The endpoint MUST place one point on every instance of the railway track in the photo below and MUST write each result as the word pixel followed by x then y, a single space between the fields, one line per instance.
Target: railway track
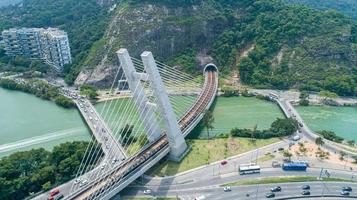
pixel 114 177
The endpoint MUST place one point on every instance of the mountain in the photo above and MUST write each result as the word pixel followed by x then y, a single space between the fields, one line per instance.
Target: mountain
pixel 291 46
pixel 347 7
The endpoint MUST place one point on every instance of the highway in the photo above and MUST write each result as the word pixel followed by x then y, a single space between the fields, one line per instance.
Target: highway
pixel 246 192
pixel 210 185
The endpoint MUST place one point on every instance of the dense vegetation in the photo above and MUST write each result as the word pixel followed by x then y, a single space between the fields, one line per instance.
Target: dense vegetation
pixel 347 7
pixel 40 89
pixel 294 46
pixel 88 91
pixel 330 135
pixel 279 128
pixel 83 20
pixel 31 171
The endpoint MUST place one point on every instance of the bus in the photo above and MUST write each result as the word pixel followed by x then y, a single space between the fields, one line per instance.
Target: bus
pixel 294 166
pixel 250 169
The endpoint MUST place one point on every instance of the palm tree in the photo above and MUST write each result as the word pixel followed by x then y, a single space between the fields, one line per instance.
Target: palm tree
pixel 207 121
pixel 253 133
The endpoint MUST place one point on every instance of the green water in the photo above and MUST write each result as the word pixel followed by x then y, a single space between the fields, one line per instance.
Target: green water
pixel 241 112
pixel 341 120
pixel 28 122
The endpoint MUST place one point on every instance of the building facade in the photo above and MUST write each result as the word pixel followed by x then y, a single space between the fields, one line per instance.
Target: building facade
pixel 51 45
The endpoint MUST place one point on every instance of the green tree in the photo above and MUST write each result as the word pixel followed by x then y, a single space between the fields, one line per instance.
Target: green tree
pixel 88 91
pixel 304 98
pixel 319 141
pixel 287 154
pixel 207 121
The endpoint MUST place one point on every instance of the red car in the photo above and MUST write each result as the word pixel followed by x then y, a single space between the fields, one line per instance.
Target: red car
pixel 224 162
pixel 54 192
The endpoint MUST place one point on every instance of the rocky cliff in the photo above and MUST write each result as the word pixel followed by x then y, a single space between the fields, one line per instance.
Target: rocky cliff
pixel 164 30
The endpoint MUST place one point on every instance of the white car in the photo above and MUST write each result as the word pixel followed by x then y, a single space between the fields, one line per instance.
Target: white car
pixel 83 183
pixel 227 189
pixel 78 180
pixel 147 192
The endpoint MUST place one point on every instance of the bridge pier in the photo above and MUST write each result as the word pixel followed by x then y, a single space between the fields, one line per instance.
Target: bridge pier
pixel 176 139
pixel 145 108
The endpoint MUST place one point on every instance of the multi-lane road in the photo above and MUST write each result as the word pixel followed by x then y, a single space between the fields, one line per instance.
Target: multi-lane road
pixel 191 185
pixel 245 192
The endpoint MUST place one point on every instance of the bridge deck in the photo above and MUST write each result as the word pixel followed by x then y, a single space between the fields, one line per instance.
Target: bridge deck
pixel 121 176
pixel 111 147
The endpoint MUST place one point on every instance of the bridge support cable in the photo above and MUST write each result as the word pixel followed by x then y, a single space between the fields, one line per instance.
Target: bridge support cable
pixel 180 134
pixel 185 96
pixel 171 76
pixel 176 140
pixel 176 85
pixel 92 146
pixel 143 113
pixel 115 182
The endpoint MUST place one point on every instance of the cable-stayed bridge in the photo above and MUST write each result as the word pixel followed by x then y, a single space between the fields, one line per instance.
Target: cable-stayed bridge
pixel 134 133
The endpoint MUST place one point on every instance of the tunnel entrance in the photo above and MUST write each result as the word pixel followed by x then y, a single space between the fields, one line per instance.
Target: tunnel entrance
pixel 210 67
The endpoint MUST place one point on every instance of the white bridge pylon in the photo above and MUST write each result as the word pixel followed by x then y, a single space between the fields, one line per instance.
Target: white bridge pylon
pixel 176 139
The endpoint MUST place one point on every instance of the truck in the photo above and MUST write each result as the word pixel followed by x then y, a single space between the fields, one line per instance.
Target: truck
pixel 294 166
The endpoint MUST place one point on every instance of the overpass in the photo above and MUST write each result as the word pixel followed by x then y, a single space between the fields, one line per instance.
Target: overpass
pixel 114 180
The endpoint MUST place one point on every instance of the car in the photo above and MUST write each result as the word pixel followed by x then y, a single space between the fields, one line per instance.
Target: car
pixel 83 183
pixel 58 197
pixel 347 188
pixel 345 193
pixel 306 187
pixel 227 189
pixel 276 189
pixel 78 180
pixel 54 192
pixel 224 162
pixel 270 195
pixel 280 149
pixel 305 192
pixel 147 192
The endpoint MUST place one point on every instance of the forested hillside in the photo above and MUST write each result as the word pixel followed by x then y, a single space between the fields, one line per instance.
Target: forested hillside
pixel 347 7
pixel 291 46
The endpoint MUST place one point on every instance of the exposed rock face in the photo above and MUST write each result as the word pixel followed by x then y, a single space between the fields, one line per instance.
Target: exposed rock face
pixel 163 30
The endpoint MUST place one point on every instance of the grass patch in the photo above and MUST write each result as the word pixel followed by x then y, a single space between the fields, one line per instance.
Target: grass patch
pixel 265 158
pixel 208 151
pixel 284 180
